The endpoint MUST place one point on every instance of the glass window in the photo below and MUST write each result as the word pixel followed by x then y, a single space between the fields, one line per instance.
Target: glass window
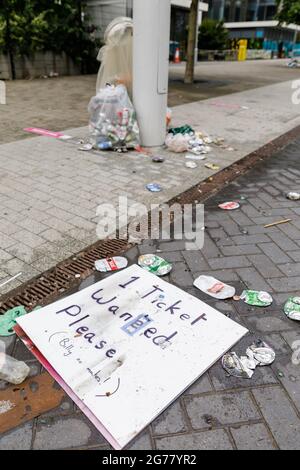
pixel 252 10
pixel 234 10
pixel 270 12
pixel 227 11
pixel 261 13
pixel 237 12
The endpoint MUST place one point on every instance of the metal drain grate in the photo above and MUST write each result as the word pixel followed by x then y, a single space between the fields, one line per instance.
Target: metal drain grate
pixel 64 276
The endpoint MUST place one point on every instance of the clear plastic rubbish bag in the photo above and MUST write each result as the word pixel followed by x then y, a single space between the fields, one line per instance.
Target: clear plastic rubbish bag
pixel 113 123
pixel 116 55
pixel 11 370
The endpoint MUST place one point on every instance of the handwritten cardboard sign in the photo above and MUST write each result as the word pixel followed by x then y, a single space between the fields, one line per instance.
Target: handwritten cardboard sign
pixel 127 347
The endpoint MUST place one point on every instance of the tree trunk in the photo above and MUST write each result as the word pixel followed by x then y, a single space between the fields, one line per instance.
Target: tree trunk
pixel 8 43
pixel 79 13
pixel 193 25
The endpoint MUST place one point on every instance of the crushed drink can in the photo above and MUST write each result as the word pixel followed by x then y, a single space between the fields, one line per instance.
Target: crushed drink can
pixel 293 196
pixel 158 159
pixel 239 367
pixel 257 298
pixel 111 264
pixel 104 145
pixel 154 188
pixel 261 353
pixel 211 286
pixel 229 206
pixel 292 308
pixel 155 265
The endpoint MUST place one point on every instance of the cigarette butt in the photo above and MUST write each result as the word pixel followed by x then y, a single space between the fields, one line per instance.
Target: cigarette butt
pixel 280 222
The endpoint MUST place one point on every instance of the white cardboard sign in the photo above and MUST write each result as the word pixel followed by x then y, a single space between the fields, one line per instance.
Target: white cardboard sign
pixel 128 346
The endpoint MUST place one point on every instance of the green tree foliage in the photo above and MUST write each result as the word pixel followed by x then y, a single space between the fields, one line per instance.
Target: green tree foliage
pixel 29 26
pixel 212 35
pixel 289 11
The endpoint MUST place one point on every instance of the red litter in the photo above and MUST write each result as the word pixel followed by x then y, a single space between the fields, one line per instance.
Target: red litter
pixel 229 206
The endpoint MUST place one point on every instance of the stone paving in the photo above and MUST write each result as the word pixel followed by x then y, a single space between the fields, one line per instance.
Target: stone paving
pixel 61 103
pixel 50 191
pixel 218 412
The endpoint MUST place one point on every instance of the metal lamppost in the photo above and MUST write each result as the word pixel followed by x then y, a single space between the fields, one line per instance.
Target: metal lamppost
pixel 151 37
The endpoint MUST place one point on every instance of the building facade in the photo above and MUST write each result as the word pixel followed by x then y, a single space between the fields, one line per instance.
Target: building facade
pixel 102 12
pixel 242 10
pixel 254 20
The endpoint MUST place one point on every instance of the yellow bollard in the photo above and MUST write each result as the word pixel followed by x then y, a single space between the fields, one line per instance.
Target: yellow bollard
pixel 243 46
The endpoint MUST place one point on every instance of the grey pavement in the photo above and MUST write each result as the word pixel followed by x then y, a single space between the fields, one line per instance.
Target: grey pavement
pixel 50 191
pixel 218 412
pixel 60 103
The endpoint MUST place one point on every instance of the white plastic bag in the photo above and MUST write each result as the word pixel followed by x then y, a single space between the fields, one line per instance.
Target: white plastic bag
pixel 116 55
pixel 11 370
pixel 113 123
pixel 177 143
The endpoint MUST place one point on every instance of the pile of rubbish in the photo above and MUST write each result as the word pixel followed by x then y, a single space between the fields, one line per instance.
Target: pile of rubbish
pixel 185 139
pixel 113 123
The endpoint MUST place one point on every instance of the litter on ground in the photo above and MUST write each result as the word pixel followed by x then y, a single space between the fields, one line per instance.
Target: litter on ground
pixel 280 222
pixel 292 308
pixel 229 206
pixel 154 188
pixel 211 286
pixel 212 166
pixel 259 354
pixel 155 264
pixel 111 264
pixel 257 298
